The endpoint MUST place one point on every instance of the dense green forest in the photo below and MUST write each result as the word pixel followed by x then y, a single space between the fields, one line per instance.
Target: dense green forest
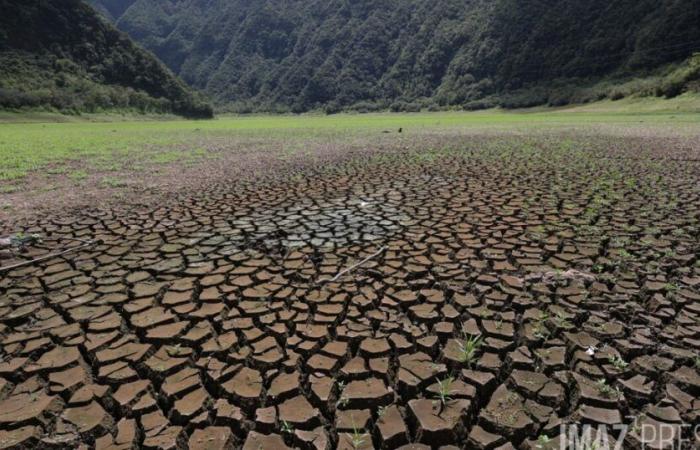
pixel 298 55
pixel 61 55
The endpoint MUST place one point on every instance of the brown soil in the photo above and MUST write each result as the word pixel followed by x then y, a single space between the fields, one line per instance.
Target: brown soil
pixel 203 321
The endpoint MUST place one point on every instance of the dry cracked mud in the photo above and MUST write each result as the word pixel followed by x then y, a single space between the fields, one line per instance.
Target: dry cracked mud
pixel 509 291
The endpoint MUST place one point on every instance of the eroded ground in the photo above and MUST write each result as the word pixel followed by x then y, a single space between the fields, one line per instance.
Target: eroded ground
pixel 509 285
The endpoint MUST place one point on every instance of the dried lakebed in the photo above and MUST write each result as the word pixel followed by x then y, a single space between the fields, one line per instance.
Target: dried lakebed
pixel 517 290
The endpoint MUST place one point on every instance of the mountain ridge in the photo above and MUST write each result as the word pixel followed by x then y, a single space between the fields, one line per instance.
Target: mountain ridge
pixel 307 54
pixel 60 54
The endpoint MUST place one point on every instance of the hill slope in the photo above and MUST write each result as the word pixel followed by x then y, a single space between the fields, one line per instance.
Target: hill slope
pixel 303 54
pixel 60 54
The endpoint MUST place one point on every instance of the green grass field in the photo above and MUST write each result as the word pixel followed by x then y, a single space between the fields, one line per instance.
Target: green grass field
pixel 58 162
pixel 33 143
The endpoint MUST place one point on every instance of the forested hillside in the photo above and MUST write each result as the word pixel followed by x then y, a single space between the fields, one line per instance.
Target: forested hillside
pixel 305 54
pixel 59 54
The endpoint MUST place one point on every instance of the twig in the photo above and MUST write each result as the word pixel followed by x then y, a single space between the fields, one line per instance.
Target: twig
pixel 49 256
pixel 62 238
pixel 351 268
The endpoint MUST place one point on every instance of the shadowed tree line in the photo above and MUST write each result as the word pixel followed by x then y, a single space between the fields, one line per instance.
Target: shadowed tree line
pixel 282 55
pixel 59 54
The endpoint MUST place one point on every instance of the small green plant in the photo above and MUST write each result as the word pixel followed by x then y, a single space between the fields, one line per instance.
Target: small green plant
pixel 112 182
pixel 606 390
pixel 543 442
pixel 78 175
pixel 469 348
pixel 646 242
pixel 625 255
pixel 342 399
pixel 175 350
pixel 444 390
pixel 608 278
pixel 678 232
pixel 636 429
pixel 358 436
pixel 671 287
pixel 621 241
pixel 618 363
pixel 541 331
pixel 21 240
pixel 561 321
pixel 287 428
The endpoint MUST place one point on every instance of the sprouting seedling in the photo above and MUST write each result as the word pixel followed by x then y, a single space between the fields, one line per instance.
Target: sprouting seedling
pixel 381 411
pixel 671 287
pixel 636 429
pixel 287 427
pixel 499 324
pixel 540 328
pixel 444 390
pixel 21 240
pixel 608 277
pixel 469 348
pixel 697 362
pixel 342 399
pixel 654 230
pixel 358 436
pixel 646 242
pixel 543 441
pixel 618 363
pixel 625 255
pixel 606 390
pixel 175 350
pixel 562 321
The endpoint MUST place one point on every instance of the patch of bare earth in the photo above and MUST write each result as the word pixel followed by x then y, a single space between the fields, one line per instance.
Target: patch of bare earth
pixel 363 296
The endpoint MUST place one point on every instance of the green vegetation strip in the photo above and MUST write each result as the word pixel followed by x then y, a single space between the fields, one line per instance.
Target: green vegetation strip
pixel 28 147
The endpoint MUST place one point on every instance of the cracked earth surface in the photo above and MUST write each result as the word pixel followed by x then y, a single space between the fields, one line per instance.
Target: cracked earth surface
pixel 512 290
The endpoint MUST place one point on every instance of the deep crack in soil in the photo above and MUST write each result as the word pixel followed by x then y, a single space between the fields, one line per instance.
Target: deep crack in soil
pixel 521 287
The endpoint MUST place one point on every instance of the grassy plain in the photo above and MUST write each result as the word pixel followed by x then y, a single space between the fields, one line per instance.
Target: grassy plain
pixel 27 147
pixel 44 154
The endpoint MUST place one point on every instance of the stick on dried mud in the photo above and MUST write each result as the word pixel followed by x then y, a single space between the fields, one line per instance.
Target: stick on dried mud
pixel 353 267
pixel 47 257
